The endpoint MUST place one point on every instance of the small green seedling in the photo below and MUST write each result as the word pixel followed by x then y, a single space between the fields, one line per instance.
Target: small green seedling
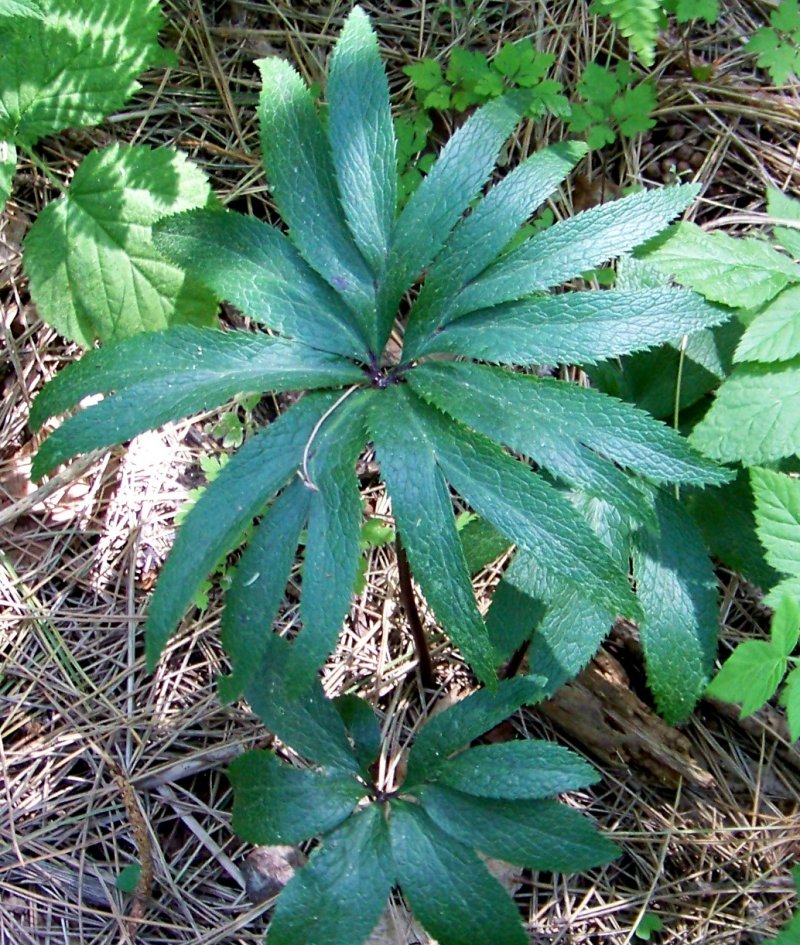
pixel 648 924
pixel 778 45
pixel 611 103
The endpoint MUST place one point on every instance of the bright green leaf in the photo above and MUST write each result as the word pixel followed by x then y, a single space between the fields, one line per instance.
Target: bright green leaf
pixel 740 272
pixel 774 334
pixel 648 924
pixel 8 165
pixel 128 878
pixel 93 268
pixel 751 675
pixel 790 699
pixel 75 64
pixel 778 518
pixel 754 417
pixel 785 628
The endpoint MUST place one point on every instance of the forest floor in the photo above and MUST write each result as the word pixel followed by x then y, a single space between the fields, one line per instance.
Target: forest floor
pixel 103 766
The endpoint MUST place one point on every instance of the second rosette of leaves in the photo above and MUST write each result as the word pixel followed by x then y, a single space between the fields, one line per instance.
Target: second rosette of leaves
pixel 421 836
pixel 526 453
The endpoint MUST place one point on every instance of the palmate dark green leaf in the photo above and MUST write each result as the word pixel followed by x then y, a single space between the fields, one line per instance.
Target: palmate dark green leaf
pixel 511 619
pixel 276 803
pixel 522 506
pixel 523 410
pixel 307 721
pixel 227 507
pixel 334 528
pixel 541 835
pixel 678 592
pixel 362 138
pixel 301 173
pixel 448 731
pixel 517 770
pixel 576 327
pixel 569 248
pixel 450 890
pixel 436 206
pixel 161 376
pixel 337 898
pixel 423 511
pixel 479 237
pixel 244 261
pixel 259 582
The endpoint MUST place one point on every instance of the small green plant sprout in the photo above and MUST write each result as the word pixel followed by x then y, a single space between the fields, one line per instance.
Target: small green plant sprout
pixel 648 924
pixel 420 835
pixel 756 668
pixel 333 293
pixel 777 46
pixel 753 419
pixel 471 79
pixel 128 878
pixel 93 269
pixel 611 102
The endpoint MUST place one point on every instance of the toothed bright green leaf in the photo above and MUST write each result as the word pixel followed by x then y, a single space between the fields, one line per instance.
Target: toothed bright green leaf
pixel 423 511
pixel 308 721
pixel 778 518
pixel 94 271
pixel 789 586
pixel 638 21
pixel 254 266
pixel 8 165
pixel 516 770
pixel 754 418
pixel 33 8
pixel 531 414
pixel 567 249
pixel 161 376
pixel 362 727
pixel 577 327
pixel 785 628
pixel 526 509
pixel 436 206
pixel 259 582
pixel 362 137
pixel 677 590
pixel 790 699
pixel 541 835
pixel 743 273
pixel 774 334
pixel 750 675
pixel 301 175
pixel 786 208
pixel 276 803
pixel 75 64
pixel 448 731
pixel 334 528
pixel 449 889
pixel 227 507
pixel 479 237
pixel 339 895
